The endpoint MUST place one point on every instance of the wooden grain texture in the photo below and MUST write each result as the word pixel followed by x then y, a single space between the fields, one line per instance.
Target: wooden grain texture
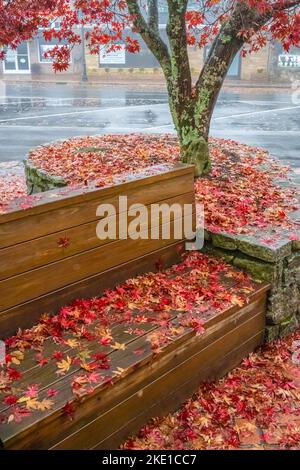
pixel 39 272
pixel 23 257
pixel 67 213
pixel 169 402
pixel 68 195
pixel 40 281
pixel 28 313
pixel 153 383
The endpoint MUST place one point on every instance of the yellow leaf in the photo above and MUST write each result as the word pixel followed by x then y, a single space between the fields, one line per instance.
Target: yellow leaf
pixel 85 354
pixel 103 332
pixel 235 300
pixel 17 357
pixel 119 371
pixel 64 365
pixel 73 343
pixel 118 346
pixel 45 404
pixel 32 404
pixel 86 366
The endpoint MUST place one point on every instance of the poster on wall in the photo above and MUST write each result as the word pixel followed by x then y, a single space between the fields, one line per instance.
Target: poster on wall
pixel 113 57
pixel 291 61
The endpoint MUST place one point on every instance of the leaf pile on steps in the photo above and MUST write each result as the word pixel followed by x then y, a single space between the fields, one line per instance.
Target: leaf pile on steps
pixel 196 287
pixel 256 406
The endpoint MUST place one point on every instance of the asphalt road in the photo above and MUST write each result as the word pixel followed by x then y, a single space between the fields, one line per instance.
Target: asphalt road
pixel 31 115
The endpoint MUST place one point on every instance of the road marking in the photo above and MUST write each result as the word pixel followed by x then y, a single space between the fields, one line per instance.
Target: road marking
pixel 46 98
pixel 253 113
pixel 118 108
pixel 95 110
pixel 154 128
pixel 246 132
pixel 60 102
pixel 79 128
pixel 142 130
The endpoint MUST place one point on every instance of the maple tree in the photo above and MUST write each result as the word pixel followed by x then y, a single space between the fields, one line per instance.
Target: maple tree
pixel 229 26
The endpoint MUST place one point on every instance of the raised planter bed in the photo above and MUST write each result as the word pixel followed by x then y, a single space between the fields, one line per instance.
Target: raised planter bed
pixel 50 253
pixel 250 202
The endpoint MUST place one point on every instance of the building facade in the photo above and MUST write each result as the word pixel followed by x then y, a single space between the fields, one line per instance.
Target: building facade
pixel 271 64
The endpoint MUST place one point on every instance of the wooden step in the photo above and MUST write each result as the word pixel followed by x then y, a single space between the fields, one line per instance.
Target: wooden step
pixel 140 383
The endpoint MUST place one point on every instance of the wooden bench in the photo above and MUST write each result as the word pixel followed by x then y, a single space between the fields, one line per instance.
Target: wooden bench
pixel 50 253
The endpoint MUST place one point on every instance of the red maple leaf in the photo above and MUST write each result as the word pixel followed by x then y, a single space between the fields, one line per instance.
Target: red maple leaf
pixel 69 410
pixel 10 400
pixel 63 242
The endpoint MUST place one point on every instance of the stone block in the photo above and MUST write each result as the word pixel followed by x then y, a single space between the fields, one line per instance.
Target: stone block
pixel 272 254
pixel 283 304
pixel 228 256
pixel 39 181
pixel 271 333
pixel 288 326
pixel 268 272
pixel 293 261
pixel 225 242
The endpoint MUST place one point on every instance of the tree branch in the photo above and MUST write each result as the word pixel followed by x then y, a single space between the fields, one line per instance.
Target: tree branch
pixel 153 15
pixel 176 30
pixel 150 36
pixel 287 5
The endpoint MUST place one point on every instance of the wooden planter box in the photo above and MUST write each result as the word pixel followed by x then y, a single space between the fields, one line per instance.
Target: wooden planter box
pixel 50 253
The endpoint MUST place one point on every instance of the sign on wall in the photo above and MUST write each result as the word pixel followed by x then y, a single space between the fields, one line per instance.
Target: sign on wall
pixel 291 61
pixel 113 57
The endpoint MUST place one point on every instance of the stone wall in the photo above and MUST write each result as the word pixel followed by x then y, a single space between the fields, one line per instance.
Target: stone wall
pixel 256 66
pixel 277 264
pixel 39 181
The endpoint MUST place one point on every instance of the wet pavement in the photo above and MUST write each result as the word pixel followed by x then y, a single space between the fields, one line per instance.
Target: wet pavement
pixel 34 114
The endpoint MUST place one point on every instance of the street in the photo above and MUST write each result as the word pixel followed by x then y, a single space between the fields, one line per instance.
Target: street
pixel 33 114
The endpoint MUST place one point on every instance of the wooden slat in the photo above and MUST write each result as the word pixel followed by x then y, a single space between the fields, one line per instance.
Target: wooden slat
pixel 68 195
pixel 32 254
pixel 202 365
pixel 46 376
pixel 26 314
pixel 69 213
pixel 40 281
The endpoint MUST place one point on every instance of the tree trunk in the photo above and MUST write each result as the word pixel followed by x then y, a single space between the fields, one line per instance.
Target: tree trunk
pixel 194 123
pixel 193 142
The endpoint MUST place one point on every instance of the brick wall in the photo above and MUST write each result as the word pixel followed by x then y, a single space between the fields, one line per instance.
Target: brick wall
pixel 255 66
